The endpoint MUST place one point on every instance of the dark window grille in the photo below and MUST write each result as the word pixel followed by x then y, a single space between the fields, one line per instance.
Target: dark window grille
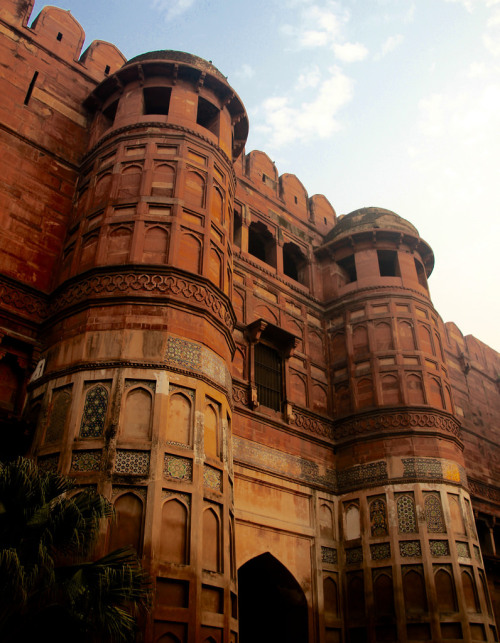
pixel 268 376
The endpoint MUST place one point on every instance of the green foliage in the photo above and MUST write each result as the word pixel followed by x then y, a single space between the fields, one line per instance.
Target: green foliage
pixel 49 585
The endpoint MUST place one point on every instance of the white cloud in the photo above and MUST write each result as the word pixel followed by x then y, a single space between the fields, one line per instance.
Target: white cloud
pixel 350 52
pixel 389 45
pixel 470 4
pixel 245 71
pixel 283 120
pixel 308 79
pixel 491 37
pixel 172 8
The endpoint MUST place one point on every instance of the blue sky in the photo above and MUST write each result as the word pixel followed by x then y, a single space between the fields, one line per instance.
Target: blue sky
pixel 392 103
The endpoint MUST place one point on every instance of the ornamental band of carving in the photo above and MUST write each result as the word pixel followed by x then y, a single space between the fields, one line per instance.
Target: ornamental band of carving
pixel 396 420
pixel 120 284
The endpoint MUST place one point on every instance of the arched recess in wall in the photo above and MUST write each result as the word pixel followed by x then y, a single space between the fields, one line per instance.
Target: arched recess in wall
pixel 174 531
pixel 130 182
pixel 163 180
pixel 316 349
pixel 352 522
pixel 189 255
pixel 330 596
pixel 319 398
pixel 326 521
pixel 217 206
pixel 435 393
pixel 266 313
pixel 179 419
pixel 298 389
pixel 439 346
pixel 211 430
pixel 10 379
pixel 118 246
pixel 364 392
pixel 383 337
pixel 355 595
pixel 168 638
pixel 415 389
pixel 94 412
pixel 274 610
pixel 406 336
pixel 445 591
pixel 156 241
pixel 215 266
pixel 360 341
pixel 378 518
pixel 238 305
pixel 390 390
pixel 425 340
pixel 102 189
pixel 88 251
pixel 342 399
pixel 126 529
pixel 338 347
pixel 137 414
pixel 447 399
pixel 414 590
pixel 383 594
pixel 194 189
pixel 457 519
pixel 211 549
pixel 470 591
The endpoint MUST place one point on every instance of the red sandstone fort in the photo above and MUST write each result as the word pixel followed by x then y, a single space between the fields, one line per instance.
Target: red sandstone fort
pixel 294 442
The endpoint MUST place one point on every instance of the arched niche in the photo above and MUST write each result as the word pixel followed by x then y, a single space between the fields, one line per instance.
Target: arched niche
pixel 156 240
pixel 163 180
pixel 211 549
pixel 211 431
pixel 179 419
pixel 414 591
pixel 215 267
pixel 383 337
pixel 119 241
pixel 352 522
pixel 338 347
pixel 326 520
pixel 406 336
pixel 174 532
pixel 194 189
pixel 126 528
pixel 383 593
pixel 189 257
pixel 272 605
pixel 415 389
pixel 364 393
pixel 217 205
pixel 102 189
pixel 330 596
pixel 130 182
pixel 360 344
pixel 137 414
pixel 445 591
pixel 390 390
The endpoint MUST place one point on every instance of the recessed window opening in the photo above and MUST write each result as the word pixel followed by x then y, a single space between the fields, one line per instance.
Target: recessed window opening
pixel 237 225
pixel 348 266
pixel 30 88
pixel 295 198
pixel 420 273
pixel 157 100
pixel 261 243
pixel 59 36
pixel 110 112
pixel 208 115
pixel 294 263
pixel 268 376
pixel 107 69
pixel 388 263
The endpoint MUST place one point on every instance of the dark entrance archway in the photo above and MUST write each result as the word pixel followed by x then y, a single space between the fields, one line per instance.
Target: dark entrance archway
pixel 272 605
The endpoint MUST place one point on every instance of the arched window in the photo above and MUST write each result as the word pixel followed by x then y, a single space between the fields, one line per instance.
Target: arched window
pixel 378 518
pixel 58 415
pixel 137 414
pixel 407 518
pixel 434 513
pixel 261 243
pixel 126 530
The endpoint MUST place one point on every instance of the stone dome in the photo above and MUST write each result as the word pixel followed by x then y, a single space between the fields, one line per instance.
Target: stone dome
pixel 171 55
pixel 370 218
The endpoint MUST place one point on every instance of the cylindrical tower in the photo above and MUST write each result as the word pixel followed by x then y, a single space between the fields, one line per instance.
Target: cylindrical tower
pixel 410 546
pixel 136 389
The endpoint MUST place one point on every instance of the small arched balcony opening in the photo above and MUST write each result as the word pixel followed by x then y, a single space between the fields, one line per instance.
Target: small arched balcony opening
pixel 295 264
pixel 261 243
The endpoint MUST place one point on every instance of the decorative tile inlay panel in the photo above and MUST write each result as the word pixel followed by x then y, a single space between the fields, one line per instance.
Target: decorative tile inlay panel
pixel 374 472
pixel 86 461
pixel 378 518
pixel 463 550
pixel 134 463
pixel 410 548
pixel 354 555
pixel 329 555
pixel 48 462
pixel 58 414
pixel 168 493
pixel 439 548
pixel 422 468
pixel 434 513
pixel 406 514
pixel 380 551
pixel 94 412
pixel 177 468
pixel 199 359
pixel 212 478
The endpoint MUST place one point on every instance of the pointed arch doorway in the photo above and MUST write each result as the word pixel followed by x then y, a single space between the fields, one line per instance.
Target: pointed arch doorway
pixel 272 605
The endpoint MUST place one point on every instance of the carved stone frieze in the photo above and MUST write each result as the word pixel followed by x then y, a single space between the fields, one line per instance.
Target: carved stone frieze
pixel 22 302
pixel 396 420
pixel 484 490
pixel 312 424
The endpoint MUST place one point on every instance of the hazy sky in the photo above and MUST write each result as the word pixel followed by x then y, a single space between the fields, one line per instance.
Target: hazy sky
pixel 390 103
